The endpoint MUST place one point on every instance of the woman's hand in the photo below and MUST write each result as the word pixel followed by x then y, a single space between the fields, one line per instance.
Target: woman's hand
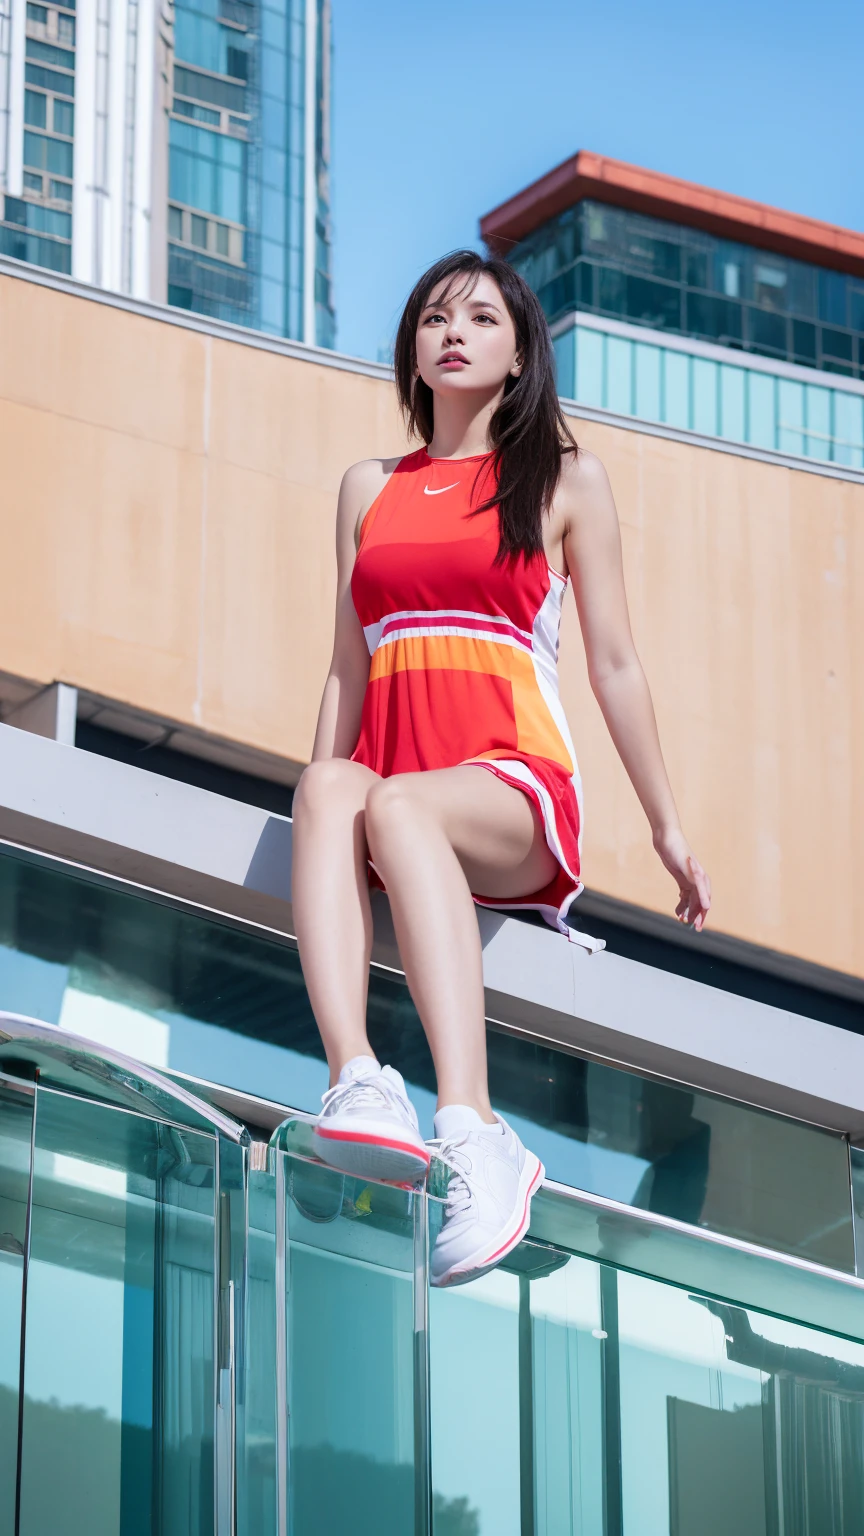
pixel 693 883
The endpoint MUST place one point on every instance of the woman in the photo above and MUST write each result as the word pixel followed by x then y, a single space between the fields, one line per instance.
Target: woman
pixel 442 758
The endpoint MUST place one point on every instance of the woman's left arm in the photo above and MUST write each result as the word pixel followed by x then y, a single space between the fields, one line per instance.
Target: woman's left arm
pixel 592 547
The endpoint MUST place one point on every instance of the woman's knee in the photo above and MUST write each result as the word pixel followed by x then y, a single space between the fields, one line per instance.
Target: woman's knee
pixel 324 784
pixel 390 805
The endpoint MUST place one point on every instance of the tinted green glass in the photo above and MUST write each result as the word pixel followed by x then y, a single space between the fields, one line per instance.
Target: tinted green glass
pixel 119 1373
pixel 630 250
pixel 569 1398
pixel 354 1414
pixel 666 1251
pixel 192 994
pixel 16 1124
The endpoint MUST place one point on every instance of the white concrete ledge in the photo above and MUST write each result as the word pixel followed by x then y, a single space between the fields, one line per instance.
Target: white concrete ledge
pixel 236 859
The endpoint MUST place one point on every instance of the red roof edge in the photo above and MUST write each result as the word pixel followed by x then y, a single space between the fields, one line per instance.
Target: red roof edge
pixel 668 197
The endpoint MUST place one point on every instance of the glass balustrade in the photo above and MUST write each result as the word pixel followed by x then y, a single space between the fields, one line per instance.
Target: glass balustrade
pixel 188 994
pixel 220 1343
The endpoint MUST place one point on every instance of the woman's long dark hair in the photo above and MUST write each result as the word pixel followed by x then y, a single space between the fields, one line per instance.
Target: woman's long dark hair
pixel 527 432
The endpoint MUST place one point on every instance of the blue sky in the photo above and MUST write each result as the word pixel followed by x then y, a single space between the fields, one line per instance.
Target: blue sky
pixel 442 111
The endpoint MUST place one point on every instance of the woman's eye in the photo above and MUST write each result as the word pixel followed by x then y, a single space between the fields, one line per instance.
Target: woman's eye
pixel 487 318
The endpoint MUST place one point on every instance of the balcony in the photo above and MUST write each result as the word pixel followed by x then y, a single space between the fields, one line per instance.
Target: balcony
pixel 710 391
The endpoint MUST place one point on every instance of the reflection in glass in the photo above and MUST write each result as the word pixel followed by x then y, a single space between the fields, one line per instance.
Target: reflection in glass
pixel 203 998
pixel 594 1400
pixel 634 257
pixel 350 1348
pixel 118 1407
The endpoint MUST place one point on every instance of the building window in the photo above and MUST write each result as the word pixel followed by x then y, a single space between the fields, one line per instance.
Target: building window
pixel 63 117
pixel 35 107
pixel 187 227
pixel 670 277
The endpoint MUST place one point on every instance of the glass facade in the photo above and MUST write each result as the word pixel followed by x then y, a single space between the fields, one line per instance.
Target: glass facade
pixel 680 388
pixel 611 261
pixel 37 226
pixel 196 996
pixel 237 220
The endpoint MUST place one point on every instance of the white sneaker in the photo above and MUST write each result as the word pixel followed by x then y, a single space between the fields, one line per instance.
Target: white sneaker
pixel 488 1208
pixel 368 1126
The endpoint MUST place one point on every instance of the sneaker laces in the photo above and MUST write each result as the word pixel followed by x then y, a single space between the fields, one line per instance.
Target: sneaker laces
pixel 365 1091
pixel 459 1194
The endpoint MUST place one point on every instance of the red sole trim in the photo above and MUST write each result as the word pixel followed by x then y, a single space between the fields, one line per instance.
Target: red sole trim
pixel 532 1188
pixel 377 1141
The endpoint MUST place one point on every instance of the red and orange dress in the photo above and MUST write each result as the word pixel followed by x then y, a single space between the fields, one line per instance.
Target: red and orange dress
pixel 464 655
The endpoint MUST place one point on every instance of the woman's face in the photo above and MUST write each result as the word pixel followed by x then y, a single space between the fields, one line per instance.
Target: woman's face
pixel 466 342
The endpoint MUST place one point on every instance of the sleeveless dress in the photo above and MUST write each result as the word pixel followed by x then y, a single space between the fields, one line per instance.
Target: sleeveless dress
pixel 464 656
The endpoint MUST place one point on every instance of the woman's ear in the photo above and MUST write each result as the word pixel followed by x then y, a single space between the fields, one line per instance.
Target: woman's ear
pixel 517 368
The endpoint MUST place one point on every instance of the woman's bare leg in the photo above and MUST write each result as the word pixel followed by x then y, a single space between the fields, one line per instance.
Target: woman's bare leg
pixel 434 837
pixel 330 893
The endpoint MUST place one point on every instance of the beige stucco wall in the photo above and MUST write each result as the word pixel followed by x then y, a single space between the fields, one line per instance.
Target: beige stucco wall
pixel 166 520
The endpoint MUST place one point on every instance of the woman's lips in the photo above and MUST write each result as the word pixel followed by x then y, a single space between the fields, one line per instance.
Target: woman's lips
pixel 453 362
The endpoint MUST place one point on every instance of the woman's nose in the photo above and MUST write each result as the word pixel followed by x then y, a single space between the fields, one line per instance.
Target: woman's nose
pixel 454 336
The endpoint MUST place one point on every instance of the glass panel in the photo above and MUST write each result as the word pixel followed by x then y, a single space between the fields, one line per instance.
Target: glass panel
pixel 804 342
pixel 35 109
pixel 16 1126
pixel 676 392
pixel 670 1252
pixel 766 332
pixel 849 429
pixel 353 1412
pixel 761 423
pixel 474 1344
pixel 648 361
pixel 832 297
pixel 715 319
pixel 596 1400
pixel 565 364
pixel 790 410
pixel 206 999
pixel 837 344
pixel 63 115
pixel 589 366
pixel 654 304
pixel 732 1420
pixel 619 366
pixel 119 1381
pixel 733 403
pixel 820 435
pixel 256 1496
pixel 705 417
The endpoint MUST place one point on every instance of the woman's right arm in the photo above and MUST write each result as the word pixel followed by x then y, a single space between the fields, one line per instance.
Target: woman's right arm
pixel 342 701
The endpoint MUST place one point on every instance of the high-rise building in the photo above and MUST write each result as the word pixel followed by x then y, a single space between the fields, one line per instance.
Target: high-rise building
pixel 177 154
pixel 699 309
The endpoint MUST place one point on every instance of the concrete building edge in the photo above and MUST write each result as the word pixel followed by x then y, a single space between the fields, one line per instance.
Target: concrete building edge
pixel 221 330
pixel 221 900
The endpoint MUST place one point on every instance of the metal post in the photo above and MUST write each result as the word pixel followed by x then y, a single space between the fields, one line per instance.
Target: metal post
pixel 422 1423
pixel 25 1275
pixel 613 1493
pixel 526 1409
pixel 281 1347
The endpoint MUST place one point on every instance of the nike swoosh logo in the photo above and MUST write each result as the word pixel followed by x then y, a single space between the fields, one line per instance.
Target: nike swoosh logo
pixel 427 492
